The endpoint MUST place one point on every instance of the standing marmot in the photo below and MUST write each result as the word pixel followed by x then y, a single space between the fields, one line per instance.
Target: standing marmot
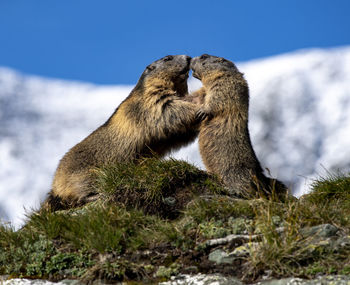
pixel 224 140
pixel 152 120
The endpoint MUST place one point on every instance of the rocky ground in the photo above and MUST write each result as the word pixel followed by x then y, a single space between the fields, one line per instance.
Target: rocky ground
pixel 167 221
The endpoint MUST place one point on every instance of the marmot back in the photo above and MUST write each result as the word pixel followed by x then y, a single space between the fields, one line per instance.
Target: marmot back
pixel 224 140
pixel 153 120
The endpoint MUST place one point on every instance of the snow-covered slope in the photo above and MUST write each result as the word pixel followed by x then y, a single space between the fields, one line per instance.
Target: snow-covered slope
pixel 299 122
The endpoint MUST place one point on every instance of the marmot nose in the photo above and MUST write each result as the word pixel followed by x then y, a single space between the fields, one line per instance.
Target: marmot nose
pixel 187 58
pixel 193 61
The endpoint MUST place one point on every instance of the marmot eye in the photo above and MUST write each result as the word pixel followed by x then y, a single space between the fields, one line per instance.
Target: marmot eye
pixel 204 56
pixel 168 57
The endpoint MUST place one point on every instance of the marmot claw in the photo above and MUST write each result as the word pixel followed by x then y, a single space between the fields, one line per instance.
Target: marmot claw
pixel 201 115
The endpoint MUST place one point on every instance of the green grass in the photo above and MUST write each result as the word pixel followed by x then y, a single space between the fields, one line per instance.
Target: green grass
pixel 155 216
pixel 100 228
pixel 291 254
pixel 329 201
pixel 133 213
pixel 161 187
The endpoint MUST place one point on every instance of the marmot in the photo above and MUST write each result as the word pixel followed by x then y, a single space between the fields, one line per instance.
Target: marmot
pixel 153 120
pixel 224 140
pixel 196 97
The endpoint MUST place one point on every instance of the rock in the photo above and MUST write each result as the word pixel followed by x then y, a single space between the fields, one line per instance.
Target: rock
pixel 219 256
pixel 342 243
pixel 170 201
pixel 190 269
pixel 285 281
pixel 320 231
pixel 230 239
pixel 318 247
pixel 323 238
pixel 18 281
pixel 245 249
pixel 71 282
pixel 322 280
pixel 203 279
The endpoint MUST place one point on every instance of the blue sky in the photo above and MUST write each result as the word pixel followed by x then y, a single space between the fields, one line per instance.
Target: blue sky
pixel 111 41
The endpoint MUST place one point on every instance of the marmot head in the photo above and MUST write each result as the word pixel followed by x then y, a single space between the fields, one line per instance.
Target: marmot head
pixel 174 68
pixel 221 74
pixel 206 64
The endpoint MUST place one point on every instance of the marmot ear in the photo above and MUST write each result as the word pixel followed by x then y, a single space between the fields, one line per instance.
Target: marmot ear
pixel 150 67
pixel 168 57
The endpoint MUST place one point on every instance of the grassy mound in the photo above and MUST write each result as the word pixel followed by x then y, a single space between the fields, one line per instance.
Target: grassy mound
pixel 155 219
pixel 161 187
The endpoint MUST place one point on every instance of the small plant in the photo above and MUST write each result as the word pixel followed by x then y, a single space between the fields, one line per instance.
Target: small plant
pixel 37 256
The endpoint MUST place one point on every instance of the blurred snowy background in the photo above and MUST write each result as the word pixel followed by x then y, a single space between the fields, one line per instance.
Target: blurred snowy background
pixel 299 122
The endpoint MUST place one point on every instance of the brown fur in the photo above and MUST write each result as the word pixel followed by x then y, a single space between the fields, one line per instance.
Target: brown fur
pixel 196 97
pixel 224 140
pixel 151 121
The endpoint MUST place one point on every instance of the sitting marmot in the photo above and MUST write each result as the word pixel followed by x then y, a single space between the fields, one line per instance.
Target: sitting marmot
pixel 224 140
pixel 153 120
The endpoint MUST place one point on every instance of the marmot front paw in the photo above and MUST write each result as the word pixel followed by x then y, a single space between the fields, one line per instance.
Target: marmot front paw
pixel 202 115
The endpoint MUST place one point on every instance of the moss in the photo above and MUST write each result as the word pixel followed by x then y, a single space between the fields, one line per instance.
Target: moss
pixel 213 229
pixel 240 225
pixel 37 256
pixel 166 272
